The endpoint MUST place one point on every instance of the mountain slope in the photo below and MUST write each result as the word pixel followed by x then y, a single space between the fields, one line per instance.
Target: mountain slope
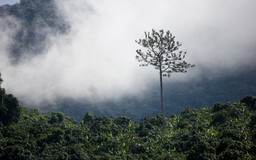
pixel 38 19
pixel 224 131
pixel 177 95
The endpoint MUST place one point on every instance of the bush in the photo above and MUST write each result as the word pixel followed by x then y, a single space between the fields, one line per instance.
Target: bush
pixel 9 109
pixel 250 101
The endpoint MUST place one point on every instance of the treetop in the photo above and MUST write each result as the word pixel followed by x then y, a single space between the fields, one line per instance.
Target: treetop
pixel 161 50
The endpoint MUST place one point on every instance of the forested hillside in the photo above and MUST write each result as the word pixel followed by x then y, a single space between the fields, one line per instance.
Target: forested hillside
pixel 178 96
pixel 38 19
pixel 224 131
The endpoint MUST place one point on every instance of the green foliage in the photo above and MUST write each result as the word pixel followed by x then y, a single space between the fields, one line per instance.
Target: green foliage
pixel 9 107
pixel 249 101
pixel 56 118
pixel 225 131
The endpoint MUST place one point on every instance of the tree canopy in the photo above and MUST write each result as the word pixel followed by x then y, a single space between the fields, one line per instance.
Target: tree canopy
pixel 162 52
pixel 225 131
pixel 9 107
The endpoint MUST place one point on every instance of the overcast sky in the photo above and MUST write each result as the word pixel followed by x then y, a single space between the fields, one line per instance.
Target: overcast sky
pixel 96 60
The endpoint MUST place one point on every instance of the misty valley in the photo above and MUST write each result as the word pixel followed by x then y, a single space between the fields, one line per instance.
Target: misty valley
pixel 224 131
pixel 71 89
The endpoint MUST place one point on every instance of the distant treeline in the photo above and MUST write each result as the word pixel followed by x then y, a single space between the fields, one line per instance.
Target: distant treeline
pixel 177 95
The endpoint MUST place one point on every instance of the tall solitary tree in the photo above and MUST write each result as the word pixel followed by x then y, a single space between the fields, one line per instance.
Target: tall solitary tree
pixel 162 51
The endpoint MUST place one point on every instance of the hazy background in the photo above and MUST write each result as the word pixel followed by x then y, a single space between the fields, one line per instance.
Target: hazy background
pixel 96 59
pixel 2 2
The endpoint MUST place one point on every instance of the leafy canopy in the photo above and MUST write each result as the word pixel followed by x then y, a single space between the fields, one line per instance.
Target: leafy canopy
pixel 162 51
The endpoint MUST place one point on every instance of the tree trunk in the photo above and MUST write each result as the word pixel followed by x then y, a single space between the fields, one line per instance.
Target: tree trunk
pixel 161 93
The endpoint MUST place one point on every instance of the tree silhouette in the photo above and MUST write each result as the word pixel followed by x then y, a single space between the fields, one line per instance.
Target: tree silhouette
pixel 1 80
pixel 9 107
pixel 2 92
pixel 162 52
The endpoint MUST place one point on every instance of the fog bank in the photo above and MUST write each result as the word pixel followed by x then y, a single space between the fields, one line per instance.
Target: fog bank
pixel 96 59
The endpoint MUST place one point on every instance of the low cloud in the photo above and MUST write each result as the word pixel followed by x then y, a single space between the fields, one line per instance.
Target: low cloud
pixel 96 59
